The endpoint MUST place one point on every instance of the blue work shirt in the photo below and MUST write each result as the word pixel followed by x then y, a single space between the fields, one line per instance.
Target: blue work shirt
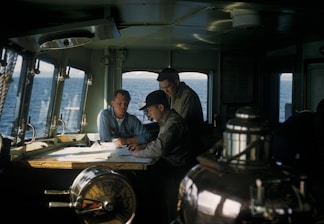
pixel 130 126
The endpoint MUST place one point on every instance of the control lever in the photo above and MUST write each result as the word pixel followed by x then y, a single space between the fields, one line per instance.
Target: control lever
pixel 94 196
pixel 82 205
pixel 56 192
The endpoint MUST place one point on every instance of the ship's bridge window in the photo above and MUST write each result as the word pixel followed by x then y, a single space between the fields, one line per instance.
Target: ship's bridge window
pixel 198 82
pixel 9 85
pixel 141 83
pixel 285 96
pixel 72 99
pixel 40 99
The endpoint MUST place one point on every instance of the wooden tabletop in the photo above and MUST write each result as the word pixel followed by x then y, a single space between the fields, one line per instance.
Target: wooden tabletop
pixel 51 163
pixel 83 157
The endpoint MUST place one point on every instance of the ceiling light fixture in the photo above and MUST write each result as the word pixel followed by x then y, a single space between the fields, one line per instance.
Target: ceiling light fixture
pixel 65 40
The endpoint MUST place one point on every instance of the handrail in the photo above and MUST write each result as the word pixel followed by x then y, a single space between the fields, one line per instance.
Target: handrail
pixel 61 122
pixel 31 127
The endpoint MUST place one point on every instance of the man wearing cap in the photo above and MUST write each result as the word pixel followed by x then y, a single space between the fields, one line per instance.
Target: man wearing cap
pixel 172 150
pixel 185 101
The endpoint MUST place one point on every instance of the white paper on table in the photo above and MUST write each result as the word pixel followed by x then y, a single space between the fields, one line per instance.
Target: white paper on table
pixel 123 151
pixel 104 146
pixel 97 152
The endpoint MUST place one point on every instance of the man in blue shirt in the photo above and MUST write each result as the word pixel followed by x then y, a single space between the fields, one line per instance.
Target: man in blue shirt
pixel 116 124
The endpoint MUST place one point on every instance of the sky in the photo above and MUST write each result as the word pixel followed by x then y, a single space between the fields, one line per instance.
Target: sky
pixel 152 75
pixel 286 76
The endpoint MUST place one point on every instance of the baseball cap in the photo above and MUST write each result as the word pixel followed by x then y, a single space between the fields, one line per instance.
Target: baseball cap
pixel 154 98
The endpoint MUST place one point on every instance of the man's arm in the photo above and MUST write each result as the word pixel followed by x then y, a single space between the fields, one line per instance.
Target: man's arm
pixel 103 126
pixel 141 134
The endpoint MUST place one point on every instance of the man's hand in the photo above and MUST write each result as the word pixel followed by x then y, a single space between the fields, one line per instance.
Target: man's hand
pixel 120 141
pixel 133 147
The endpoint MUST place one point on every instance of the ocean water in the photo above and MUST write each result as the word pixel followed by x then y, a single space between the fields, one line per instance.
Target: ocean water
pixel 138 88
pixel 285 99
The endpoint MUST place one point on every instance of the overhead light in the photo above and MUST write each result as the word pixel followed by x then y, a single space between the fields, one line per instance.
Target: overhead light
pixel 68 35
pixel 245 18
pixel 65 40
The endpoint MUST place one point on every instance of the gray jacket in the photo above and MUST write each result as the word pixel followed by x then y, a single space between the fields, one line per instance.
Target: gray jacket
pixel 187 103
pixel 173 143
